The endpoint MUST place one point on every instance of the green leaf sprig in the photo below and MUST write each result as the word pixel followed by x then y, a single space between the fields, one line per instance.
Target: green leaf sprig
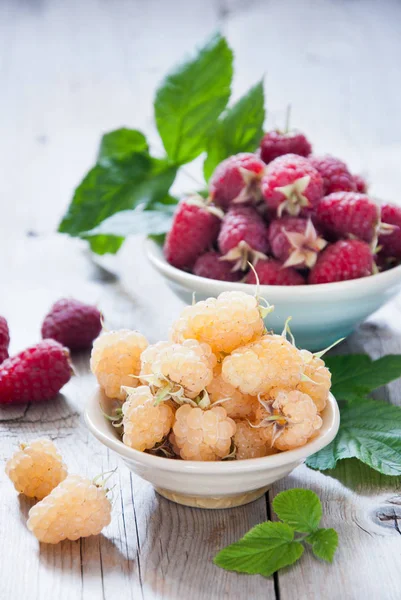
pixel 128 190
pixel 270 546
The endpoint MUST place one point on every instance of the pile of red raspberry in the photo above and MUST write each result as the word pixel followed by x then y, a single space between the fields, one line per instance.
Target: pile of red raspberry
pixel 298 218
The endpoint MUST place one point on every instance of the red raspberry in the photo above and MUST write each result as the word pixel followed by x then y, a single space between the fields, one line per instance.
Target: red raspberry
pixel 276 143
pixel 390 241
pixel 295 241
pixel 346 259
pixel 236 179
pixel 360 184
pixel 273 272
pixel 4 339
pixel 72 323
pixel 243 236
pixel 291 184
pixel 347 214
pixel 38 373
pixel 194 230
pixel 211 266
pixel 336 177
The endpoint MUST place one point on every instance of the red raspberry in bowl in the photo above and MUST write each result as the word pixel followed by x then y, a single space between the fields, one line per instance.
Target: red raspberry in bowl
pixel 335 174
pixel 273 272
pixel 349 214
pixel 390 240
pixel 243 237
pixel 295 241
pixel 360 184
pixel 346 259
pixel 194 230
pixel 36 374
pixel 72 323
pixel 211 266
pixel 291 184
pixel 4 339
pixel 276 143
pixel 236 180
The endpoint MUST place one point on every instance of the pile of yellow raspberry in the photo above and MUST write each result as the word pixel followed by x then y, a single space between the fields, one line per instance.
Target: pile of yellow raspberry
pixel 221 388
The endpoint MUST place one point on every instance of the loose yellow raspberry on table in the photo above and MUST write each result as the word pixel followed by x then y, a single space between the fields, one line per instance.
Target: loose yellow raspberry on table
pixel 319 386
pixel 36 468
pixel 188 365
pixel 202 434
pixel 250 442
pixel 269 362
pixel 236 404
pixel 231 320
pixel 290 422
pixel 115 358
pixel 144 423
pixel 75 508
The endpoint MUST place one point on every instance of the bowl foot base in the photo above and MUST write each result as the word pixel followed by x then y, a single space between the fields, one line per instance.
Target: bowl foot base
pixel 213 502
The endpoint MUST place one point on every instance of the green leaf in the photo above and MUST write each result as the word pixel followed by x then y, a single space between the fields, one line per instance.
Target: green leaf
pixel 370 430
pixel 119 144
pixel 301 509
pixel 240 129
pixel 105 244
pixel 265 549
pixel 123 184
pixel 324 543
pixel 356 375
pixel 191 98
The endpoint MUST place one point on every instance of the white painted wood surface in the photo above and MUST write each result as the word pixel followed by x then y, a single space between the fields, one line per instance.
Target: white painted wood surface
pixel 72 69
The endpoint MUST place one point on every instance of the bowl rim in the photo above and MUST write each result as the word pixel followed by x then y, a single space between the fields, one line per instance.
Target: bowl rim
pixel 155 256
pixel 98 426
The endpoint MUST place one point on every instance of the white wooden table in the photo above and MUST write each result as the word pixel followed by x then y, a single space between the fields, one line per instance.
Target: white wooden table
pixel 72 69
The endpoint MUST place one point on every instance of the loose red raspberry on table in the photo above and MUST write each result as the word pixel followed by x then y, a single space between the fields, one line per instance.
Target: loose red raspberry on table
pixel 211 266
pixel 360 184
pixel 346 259
pixel 236 180
pixel 276 143
pixel 243 237
pixel 194 230
pixel 72 323
pixel 292 185
pixel 273 272
pixel 346 214
pixel 4 339
pixel 36 374
pixel 390 240
pixel 335 174
pixel 295 241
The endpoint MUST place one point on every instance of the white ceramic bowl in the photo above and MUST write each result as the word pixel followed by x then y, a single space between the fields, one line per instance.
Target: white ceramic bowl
pixel 208 484
pixel 321 314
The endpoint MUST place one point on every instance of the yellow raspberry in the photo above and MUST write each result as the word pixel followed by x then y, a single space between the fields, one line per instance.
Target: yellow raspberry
pixel 231 320
pixel 115 358
pixel 269 362
pixel 239 405
pixel 202 434
pixel 75 508
pixel 145 424
pixel 318 389
pixel 250 442
pixel 291 420
pixel 36 468
pixel 189 365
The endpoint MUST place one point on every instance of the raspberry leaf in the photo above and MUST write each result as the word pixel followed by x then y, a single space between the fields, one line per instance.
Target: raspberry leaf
pixel 356 375
pixel 191 98
pixel 301 509
pixel 137 179
pixel 370 430
pixel 265 549
pixel 105 244
pixel 324 543
pixel 119 144
pixel 240 129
